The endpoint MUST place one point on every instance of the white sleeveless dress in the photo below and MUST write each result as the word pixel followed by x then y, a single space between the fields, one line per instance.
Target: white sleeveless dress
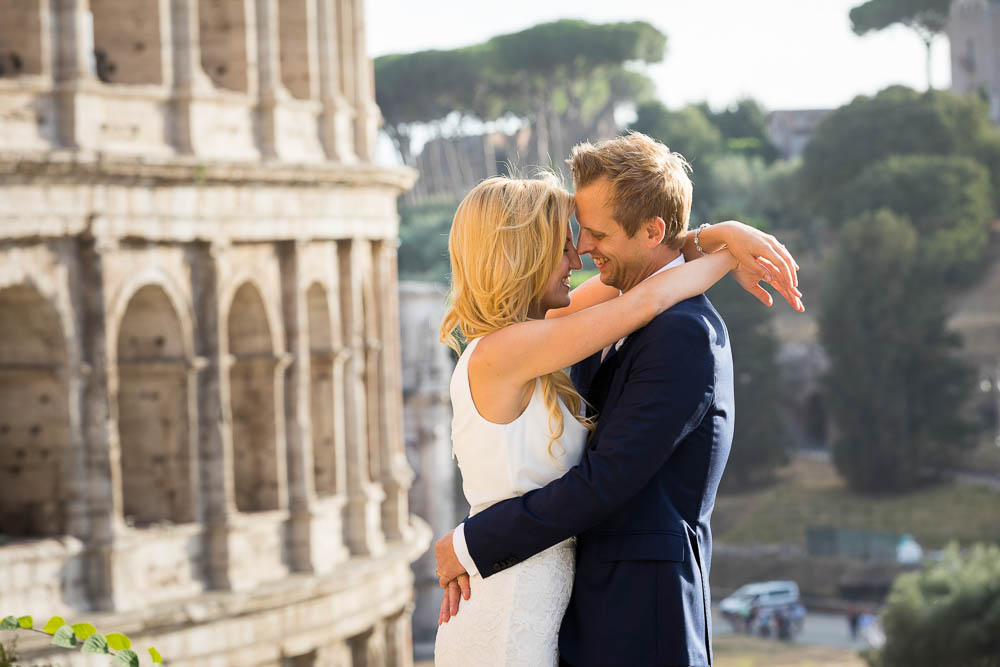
pixel 513 617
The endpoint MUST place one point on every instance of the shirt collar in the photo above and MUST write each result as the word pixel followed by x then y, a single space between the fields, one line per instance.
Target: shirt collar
pixel 677 261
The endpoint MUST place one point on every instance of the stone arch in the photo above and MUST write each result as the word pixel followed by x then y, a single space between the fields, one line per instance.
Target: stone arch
pixel 248 276
pixel 224 45
pixel 34 415
pixel 179 303
pixel 157 461
pixel 253 407
pixel 295 17
pixel 128 41
pixel 321 390
pixel 21 40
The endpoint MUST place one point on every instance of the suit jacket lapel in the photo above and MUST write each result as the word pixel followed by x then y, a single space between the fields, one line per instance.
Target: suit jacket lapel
pixel 601 383
pixel 582 373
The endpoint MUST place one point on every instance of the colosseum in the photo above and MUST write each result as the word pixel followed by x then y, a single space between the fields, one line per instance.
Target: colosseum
pixel 200 405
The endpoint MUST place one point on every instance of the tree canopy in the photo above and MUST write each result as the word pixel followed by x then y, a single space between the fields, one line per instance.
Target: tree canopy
pixel 946 198
pixel 731 158
pixel 687 130
pixel 896 121
pixel 895 388
pixel 744 127
pixel 760 441
pixel 562 77
pixel 927 18
pixel 427 86
pixel 930 16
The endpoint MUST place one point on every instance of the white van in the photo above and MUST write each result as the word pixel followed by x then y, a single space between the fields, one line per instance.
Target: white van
pixel 760 601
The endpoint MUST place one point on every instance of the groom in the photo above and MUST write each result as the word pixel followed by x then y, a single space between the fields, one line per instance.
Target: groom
pixel 641 499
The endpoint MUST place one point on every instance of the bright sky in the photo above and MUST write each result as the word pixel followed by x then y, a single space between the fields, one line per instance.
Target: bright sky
pixel 788 54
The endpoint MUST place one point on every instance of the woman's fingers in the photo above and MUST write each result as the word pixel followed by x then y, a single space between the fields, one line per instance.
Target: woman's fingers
pixel 768 273
pixel 770 270
pixel 454 594
pixel 762 295
pixel 789 260
pixel 777 257
pixel 445 609
pixel 748 278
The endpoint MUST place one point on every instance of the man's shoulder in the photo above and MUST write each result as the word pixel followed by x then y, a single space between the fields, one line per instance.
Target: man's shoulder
pixel 691 329
pixel 693 317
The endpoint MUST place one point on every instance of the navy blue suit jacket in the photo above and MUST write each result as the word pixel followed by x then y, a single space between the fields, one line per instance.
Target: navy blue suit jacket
pixel 640 500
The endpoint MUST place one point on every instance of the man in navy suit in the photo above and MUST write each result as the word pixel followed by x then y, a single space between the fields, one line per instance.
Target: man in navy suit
pixel 641 499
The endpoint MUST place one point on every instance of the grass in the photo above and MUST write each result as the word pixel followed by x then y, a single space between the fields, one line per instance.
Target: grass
pixel 740 651
pixel 810 493
pixel 580 276
pixel 985 458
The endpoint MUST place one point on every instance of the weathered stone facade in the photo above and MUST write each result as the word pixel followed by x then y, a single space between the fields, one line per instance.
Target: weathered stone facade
pixel 974 39
pixel 791 130
pixel 436 494
pixel 201 438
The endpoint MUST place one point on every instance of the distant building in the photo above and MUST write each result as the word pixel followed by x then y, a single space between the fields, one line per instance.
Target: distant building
pixel 791 130
pixel 974 35
pixel 451 166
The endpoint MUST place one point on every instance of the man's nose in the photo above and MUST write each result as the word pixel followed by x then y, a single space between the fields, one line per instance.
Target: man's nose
pixel 584 245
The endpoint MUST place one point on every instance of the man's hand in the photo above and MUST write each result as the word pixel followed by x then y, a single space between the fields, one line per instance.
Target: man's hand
pixel 455 590
pixel 448 565
pixel 761 257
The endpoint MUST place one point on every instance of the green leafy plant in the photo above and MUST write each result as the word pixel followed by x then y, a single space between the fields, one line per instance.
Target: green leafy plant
pixel 946 614
pixel 83 636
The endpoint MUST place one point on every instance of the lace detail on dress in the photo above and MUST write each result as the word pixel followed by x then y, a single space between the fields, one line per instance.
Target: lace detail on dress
pixel 512 618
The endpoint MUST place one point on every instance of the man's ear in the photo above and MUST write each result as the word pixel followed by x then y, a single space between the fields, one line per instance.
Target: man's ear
pixel 656 229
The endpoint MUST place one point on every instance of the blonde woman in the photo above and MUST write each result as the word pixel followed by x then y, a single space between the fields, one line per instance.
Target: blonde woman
pixel 519 423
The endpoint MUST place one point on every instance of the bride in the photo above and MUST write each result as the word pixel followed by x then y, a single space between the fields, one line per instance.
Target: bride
pixel 518 420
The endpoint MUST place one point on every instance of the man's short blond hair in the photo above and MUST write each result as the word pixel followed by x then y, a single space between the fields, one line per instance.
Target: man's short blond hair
pixel 647 180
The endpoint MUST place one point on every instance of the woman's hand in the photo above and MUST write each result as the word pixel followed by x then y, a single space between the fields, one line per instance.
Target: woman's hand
pixel 761 257
pixel 749 276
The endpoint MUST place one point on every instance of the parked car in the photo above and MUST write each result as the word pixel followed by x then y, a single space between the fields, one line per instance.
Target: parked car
pixel 766 608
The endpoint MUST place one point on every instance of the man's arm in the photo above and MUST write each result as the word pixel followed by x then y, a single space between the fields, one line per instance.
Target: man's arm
pixel 667 393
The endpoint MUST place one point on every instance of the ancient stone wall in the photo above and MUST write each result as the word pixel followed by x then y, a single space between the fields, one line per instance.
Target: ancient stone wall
pixel 200 394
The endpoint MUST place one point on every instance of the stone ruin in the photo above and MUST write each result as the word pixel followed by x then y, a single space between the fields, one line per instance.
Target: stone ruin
pixel 201 439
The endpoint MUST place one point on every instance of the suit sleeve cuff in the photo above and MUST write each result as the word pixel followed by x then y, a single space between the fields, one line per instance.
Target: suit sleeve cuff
pixel 462 550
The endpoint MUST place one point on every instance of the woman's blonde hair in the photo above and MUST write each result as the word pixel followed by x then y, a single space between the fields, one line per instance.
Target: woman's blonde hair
pixel 506 241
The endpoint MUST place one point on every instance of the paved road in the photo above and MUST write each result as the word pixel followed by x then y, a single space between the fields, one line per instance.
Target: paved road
pixel 820 629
